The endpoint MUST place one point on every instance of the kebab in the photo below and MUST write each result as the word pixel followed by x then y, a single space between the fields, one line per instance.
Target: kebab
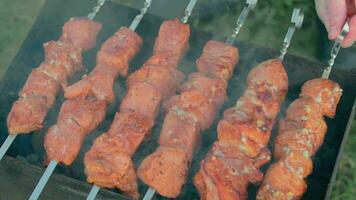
pixel 86 101
pixel 108 163
pixel 63 58
pixel 301 134
pixel 189 113
pixel 234 160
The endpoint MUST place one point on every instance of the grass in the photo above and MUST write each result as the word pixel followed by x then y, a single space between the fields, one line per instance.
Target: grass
pixel 263 29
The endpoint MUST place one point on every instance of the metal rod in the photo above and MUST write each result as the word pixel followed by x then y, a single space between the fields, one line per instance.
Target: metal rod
pixel 241 20
pixel 138 17
pixel 96 9
pixel 93 192
pixel 43 181
pixel 297 20
pixel 6 145
pixel 188 10
pixel 335 50
pixel 149 194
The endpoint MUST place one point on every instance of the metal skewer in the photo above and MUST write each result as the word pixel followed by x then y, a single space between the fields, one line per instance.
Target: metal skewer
pixel 135 22
pixel 230 40
pixel 188 11
pixel 11 137
pixel 241 20
pixel 43 181
pixel 297 20
pixel 335 50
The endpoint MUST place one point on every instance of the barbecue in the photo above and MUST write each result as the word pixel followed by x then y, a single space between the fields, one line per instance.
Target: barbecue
pixel 115 124
pixel 108 162
pixel 301 134
pixel 189 113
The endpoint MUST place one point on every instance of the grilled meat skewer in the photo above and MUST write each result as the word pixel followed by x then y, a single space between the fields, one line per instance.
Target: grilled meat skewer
pixel 234 160
pixel 301 134
pixel 62 59
pixel 188 114
pixel 108 163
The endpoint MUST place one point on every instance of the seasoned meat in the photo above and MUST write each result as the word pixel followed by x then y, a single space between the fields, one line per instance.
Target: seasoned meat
pixel 118 50
pixel 243 134
pixel 81 32
pixel 188 113
pixel 218 59
pixel 108 163
pixel 301 134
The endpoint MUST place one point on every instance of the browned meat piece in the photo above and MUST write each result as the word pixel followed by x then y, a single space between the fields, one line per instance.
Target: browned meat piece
pixel 87 112
pixel 157 170
pixel 130 128
pixel 99 83
pixel 196 106
pixel 212 88
pixel 163 78
pixel 305 111
pixel 272 73
pixel 27 115
pixel 63 54
pixel 226 172
pixel 81 32
pixel 218 59
pixel 179 132
pixel 118 50
pixel 142 98
pixel 41 85
pixel 161 60
pixel 108 162
pixel 300 136
pixel 63 141
pixel 325 92
pixel 172 40
pixel 56 72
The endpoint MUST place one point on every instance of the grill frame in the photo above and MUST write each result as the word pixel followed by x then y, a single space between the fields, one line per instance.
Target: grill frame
pixel 48 27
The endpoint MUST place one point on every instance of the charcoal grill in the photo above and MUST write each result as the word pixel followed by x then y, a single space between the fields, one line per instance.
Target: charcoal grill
pixel 20 171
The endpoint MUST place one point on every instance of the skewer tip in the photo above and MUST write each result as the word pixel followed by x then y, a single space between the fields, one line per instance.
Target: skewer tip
pixel 149 194
pixel 43 181
pixel 93 192
pixel 6 145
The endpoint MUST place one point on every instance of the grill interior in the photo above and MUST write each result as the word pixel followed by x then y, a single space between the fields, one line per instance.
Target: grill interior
pixel 48 27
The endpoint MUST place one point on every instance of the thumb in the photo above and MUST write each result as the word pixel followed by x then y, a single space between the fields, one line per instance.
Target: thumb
pixel 333 14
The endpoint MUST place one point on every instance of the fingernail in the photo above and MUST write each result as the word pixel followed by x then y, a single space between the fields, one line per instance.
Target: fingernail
pixel 333 34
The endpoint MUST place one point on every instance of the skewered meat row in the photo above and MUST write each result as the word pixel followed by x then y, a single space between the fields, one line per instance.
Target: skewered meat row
pixel 86 101
pixel 234 160
pixel 62 59
pixel 188 114
pixel 108 163
pixel 301 134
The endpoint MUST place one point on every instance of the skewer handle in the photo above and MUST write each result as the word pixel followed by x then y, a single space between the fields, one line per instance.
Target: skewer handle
pixel 241 20
pixel 93 192
pixel 297 20
pixel 43 181
pixel 335 50
pixel 149 194
pixel 6 145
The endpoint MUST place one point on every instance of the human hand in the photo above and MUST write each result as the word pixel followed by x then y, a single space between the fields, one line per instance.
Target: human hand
pixel 333 13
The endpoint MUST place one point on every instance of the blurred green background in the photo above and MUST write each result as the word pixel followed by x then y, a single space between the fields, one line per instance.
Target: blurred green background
pixel 16 18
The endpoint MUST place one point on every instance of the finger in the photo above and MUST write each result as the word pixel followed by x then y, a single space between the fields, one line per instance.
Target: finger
pixel 333 14
pixel 351 36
